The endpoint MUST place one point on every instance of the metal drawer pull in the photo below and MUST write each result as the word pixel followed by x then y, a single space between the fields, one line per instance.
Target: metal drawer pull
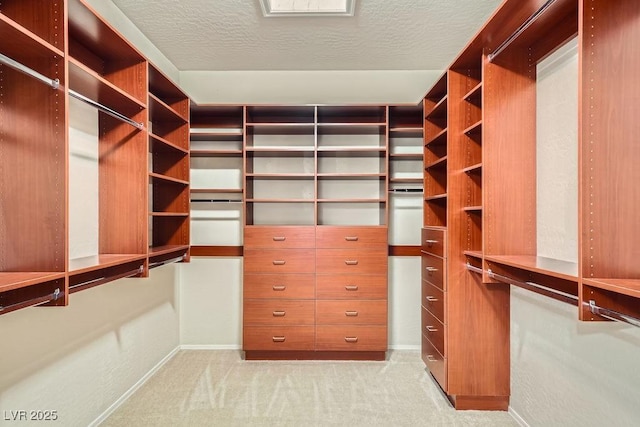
pixel 278 339
pixel 279 313
pixel 279 238
pixel 351 262
pixel 430 242
pixel 351 313
pixel 351 339
pixel 279 287
pixel 351 238
pixel 432 329
pixel 430 358
pixel 351 287
pixel 279 262
pixel 431 299
pixel 431 269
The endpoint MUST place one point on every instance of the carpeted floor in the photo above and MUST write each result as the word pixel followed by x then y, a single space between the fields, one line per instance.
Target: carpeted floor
pixel 218 388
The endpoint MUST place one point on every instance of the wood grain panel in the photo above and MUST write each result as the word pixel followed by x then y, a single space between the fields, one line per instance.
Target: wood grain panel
pixel 279 260
pixel 433 270
pixel 278 338
pixel 350 237
pixel 368 312
pixel 351 338
pixel 434 330
pixel 279 312
pixel 279 237
pixel 349 286
pixel 280 286
pixel 345 261
pixel 433 299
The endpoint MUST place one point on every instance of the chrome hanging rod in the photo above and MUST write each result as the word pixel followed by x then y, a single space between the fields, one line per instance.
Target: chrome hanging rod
pixel 406 190
pixel 526 24
pixel 612 314
pixel 560 295
pixel 168 261
pixel 106 110
pixel 35 301
pixel 474 269
pixel 105 279
pixel 54 83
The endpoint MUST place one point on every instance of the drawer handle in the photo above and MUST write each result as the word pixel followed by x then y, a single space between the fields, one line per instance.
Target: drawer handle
pixel 351 238
pixel 351 339
pixel 351 262
pixel 279 287
pixel 279 238
pixel 430 358
pixel 431 299
pixel 430 242
pixel 351 287
pixel 279 313
pixel 351 313
pixel 279 262
pixel 431 269
pixel 432 329
pixel 278 339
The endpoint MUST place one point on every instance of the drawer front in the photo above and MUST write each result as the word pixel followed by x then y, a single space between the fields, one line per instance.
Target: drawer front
pixel 279 237
pixel 348 286
pixel 279 312
pixel 351 338
pixel 278 338
pixel 433 241
pixel 279 286
pixel 351 312
pixel 279 261
pixel 345 261
pixel 351 237
pixel 433 329
pixel 433 270
pixel 433 300
pixel 435 362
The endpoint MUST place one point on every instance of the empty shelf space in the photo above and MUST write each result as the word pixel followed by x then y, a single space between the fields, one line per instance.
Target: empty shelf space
pixel 438 139
pixel 440 163
pixel 97 262
pixel 215 134
pixel 475 94
pixel 157 143
pixel 477 168
pixel 630 287
pixel 167 179
pixel 161 111
pixel 474 129
pixel 15 280
pixel 417 180
pixel 547 266
pixel 22 43
pixel 438 110
pixel 473 254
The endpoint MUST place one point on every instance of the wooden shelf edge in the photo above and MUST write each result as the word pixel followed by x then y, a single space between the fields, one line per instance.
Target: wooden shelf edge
pixel 166 178
pixel 25 32
pixel 168 143
pixel 546 266
pixel 217 251
pixel 166 107
pixel 16 280
pixel 98 262
pixel 629 287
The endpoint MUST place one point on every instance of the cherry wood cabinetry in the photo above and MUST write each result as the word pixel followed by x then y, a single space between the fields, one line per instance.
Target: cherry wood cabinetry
pixel 485 113
pixel 55 56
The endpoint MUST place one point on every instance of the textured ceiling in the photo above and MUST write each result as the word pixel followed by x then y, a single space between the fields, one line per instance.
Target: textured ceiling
pixel 383 35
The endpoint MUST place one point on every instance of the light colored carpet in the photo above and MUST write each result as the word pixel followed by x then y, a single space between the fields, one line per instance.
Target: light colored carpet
pixel 218 388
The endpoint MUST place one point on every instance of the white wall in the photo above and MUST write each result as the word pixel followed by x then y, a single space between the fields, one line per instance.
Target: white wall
pixel 79 359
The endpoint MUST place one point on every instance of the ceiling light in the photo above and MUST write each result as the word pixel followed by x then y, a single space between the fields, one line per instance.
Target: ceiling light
pixel 308 7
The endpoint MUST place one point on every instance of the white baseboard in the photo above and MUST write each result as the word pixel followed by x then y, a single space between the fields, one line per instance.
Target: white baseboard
pixel 517 417
pixel 111 409
pixel 210 347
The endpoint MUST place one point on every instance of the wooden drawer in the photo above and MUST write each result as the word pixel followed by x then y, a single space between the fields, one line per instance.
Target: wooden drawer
pixel 436 363
pixel 351 237
pixel 278 338
pixel 433 241
pixel 348 286
pixel 279 312
pixel 279 286
pixel 356 312
pixel 351 338
pixel 279 237
pixel 433 270
pixel 433 329
pixel 350 261
pixel 279 261
pixel 433 300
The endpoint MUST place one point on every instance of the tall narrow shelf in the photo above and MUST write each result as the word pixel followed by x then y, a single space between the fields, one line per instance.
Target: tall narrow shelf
pixel 32 156
pixel 109 74
pixel 217 183
pixel 168 170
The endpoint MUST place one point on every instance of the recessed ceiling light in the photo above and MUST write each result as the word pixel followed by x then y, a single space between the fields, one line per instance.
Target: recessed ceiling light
pixel 308 7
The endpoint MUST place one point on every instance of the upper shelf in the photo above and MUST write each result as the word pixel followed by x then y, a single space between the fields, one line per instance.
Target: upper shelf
pixel 43 20
pixel 547 266
pixel 629 287
pixel 17 280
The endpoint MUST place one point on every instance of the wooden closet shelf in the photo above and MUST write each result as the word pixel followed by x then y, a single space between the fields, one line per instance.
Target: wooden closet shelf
pixel 473 254
pixel 475 94
pixel 166 249
pixel 18 42
pixel 474 129
pixel 630 287
pixel 215 135
pixel 473 209
pixel 439 110
pixel 159 144
pixel 407 131
pixel 477 168
pixel 438 198
pixel 547 266
pixel 15 280
pixel 440 163
pixel 439 138
pixel 97 262
pixel 406 156
pixel 214 153
pixel 162 112
pixel 167 179
pixel 169 214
